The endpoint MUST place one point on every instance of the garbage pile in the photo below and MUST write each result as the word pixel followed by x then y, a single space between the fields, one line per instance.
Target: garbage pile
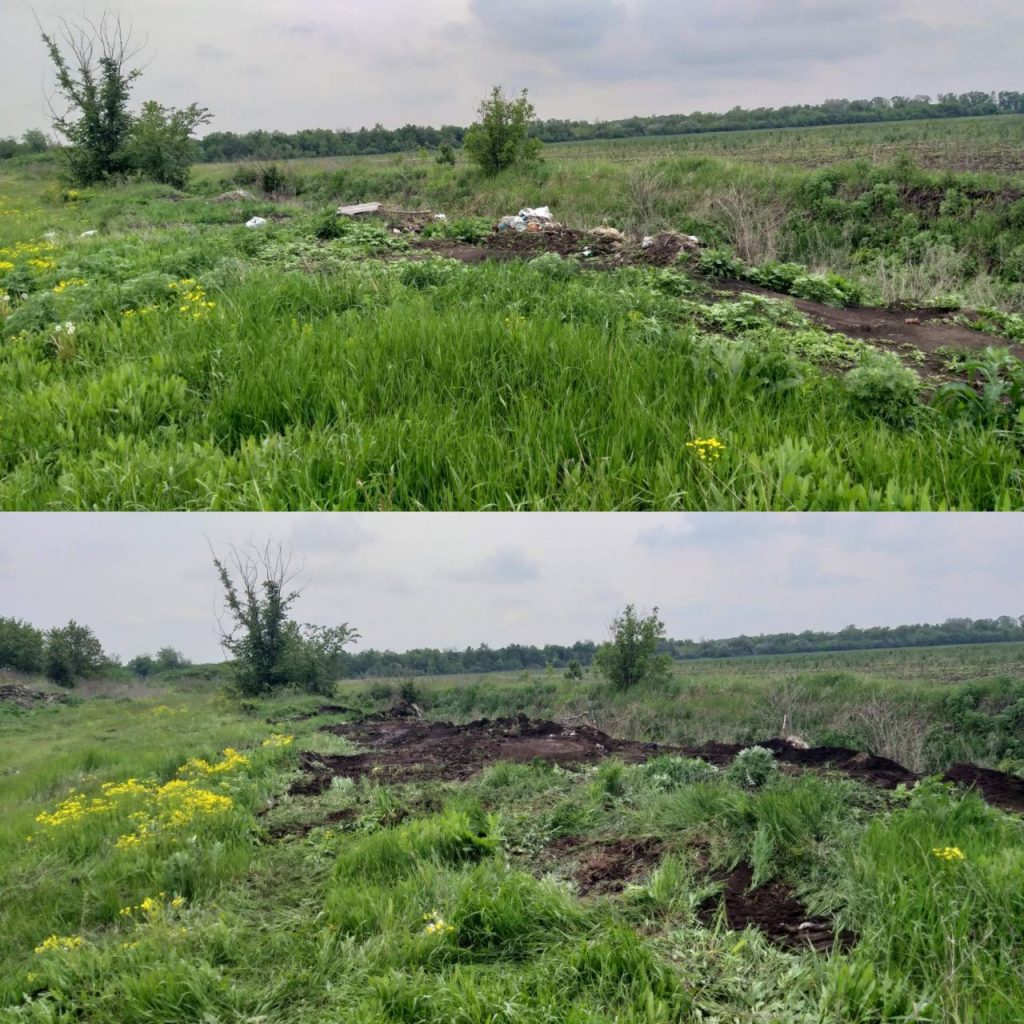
pixel 26 698
pixel 539 219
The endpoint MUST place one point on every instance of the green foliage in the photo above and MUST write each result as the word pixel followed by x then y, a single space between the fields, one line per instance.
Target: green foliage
pixel 270 651
pixel 21 646
pixel 669 771
pixel 97 94
pixel 72 652
pixel 719 263
pixel 630 658
pixel 446 155
pixel 500 139
pixel 753 768
pixel 574 670
pixel 882 388
pixel 160 146
pixel 994 393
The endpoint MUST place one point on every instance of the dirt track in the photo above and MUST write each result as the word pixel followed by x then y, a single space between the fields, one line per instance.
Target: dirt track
pixel 927 330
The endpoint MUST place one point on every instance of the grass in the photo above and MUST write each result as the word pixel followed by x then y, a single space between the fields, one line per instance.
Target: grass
pixel 430 901
pixel 212 367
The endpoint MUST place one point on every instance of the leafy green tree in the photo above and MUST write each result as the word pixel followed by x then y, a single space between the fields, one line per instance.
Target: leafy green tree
pixel 631 657
pixel 94 78
pixel 270 651
pixel 142 665
pixel 574 670
pixel 72 652
pixel 34 141
pixel 446 155
pixel 501 139
pixel 160 145
pixel 168 658
pixel 21 646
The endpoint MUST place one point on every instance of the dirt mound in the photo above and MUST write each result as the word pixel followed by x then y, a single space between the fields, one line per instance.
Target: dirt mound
pixel 404 748
pixel 1000 789
pixel 26 698
pixel 875 771
pixel 611 866
pixel 774 910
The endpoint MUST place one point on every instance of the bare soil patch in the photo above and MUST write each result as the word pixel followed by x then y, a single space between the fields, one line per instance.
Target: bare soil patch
pixel 1000 789
pixel 404 748
pixel 774 910
pixel 610 865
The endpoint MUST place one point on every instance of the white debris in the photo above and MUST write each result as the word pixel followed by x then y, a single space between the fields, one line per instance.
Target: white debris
pixel 359 209
pixel 440 216
pixel 234 196
pixel 88 234
pixel 528 219
pixel 255 222
pixel 51 236
pixel 647 242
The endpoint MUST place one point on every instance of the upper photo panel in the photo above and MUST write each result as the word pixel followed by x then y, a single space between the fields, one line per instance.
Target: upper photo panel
pixel 537 255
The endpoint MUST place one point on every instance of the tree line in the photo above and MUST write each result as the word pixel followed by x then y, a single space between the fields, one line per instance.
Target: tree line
pixel 378 140
pixel 515 657
pixel 270 650
pixel 218 147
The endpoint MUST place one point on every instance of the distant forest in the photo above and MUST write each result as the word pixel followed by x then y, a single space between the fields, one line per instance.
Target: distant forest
pixel 428 661
pixel 264 145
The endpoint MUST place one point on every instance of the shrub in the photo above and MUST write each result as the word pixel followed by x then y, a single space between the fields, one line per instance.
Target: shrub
pixel 21 646
pixel 882 388
pixel 720 263
pixel 752 768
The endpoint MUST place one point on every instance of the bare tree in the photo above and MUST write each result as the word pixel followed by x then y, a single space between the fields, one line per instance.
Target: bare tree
pixel 94 76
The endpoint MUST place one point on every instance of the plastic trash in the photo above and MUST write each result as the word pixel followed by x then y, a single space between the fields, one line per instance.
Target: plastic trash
pixel 647 242
pixel 359 209
pixel 528 219
pixel 255 222
pixel 440 216
pixel 89 233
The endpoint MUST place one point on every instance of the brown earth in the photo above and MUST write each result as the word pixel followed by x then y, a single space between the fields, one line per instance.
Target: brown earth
pixel 404 747
pixel 998 788
pixel 927 330
pixel 774 910
pixel 610 865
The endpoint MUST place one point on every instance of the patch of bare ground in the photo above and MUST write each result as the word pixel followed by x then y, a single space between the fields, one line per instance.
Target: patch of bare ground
pixel 405 748
pixel 774 910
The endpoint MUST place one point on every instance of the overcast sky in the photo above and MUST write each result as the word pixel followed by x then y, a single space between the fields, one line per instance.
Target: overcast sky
pixel 434 580
pixel 289 64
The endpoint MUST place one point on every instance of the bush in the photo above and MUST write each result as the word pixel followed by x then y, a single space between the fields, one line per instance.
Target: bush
pixel 21 646
pixel 720 263
pixel 882 388
pixel 752 768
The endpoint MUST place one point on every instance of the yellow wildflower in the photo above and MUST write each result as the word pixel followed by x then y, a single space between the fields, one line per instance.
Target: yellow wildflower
pixel 59 944
pixel 707 449
pixel 948 853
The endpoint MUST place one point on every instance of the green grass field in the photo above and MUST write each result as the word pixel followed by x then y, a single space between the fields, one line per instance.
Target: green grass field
pixel 154 867
pixel 212 367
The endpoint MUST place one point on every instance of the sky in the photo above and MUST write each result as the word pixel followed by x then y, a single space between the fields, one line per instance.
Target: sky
pixel 146 580
pixel 291 64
